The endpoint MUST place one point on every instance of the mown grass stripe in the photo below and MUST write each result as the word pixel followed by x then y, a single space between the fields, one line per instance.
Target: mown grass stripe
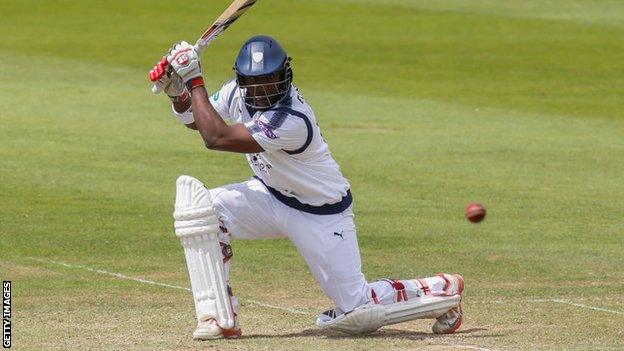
pixel 151 282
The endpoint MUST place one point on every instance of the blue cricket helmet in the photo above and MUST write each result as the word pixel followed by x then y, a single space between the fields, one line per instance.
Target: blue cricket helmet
pixel 263 72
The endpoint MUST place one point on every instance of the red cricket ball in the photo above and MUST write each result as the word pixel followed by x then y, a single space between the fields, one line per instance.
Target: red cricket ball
pixel 475 212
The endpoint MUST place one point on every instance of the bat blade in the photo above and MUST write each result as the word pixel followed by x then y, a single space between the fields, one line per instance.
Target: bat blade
pixel 236 9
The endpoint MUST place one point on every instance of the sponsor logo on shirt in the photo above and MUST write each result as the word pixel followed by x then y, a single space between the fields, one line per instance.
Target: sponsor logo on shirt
pixel 259 163
pixel 265 129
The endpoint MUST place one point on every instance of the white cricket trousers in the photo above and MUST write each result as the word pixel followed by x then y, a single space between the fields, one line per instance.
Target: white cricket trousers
pixel 328 243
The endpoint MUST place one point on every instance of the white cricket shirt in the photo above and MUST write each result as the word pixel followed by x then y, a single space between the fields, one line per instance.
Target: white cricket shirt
pixel 296 163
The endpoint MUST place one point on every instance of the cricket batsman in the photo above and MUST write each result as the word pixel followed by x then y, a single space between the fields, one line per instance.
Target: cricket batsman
pixel 297 191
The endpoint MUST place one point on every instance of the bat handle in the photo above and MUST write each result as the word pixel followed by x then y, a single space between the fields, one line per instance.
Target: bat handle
pixel 156 89
pixel 198 48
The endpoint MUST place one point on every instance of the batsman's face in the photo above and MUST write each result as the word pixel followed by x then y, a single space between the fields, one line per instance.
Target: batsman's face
pixel 260 90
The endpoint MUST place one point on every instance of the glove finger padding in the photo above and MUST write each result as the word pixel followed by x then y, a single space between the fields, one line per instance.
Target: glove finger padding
pixel 165 79
pixel 159 69
pixel 173 48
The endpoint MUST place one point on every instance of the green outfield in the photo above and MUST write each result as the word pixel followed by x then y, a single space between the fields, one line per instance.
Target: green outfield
pixel 427 105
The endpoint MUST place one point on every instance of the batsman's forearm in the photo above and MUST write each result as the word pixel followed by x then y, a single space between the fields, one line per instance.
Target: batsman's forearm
pixel 208 122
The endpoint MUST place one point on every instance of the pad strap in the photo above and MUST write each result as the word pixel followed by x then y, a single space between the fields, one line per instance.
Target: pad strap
pixel 400 288
pixel 374 297
pixel 424 286
pixel 448 286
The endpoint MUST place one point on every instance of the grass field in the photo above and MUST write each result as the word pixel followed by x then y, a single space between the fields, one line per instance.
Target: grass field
pixel 426 105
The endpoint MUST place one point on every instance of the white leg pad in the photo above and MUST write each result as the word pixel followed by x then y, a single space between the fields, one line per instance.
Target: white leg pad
pixel 370 317
pixel 197 226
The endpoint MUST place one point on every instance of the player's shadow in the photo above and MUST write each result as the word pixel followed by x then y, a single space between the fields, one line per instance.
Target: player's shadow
pixel 385 333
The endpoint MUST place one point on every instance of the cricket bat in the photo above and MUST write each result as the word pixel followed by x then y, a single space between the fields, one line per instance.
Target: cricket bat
pixel 236 9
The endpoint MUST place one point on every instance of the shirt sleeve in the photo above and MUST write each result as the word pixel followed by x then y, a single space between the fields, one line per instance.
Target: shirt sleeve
pixel 222 99
pixel 280 131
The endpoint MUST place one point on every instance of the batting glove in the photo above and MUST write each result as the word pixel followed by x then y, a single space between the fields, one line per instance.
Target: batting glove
pixel 184 60
pixel 167 80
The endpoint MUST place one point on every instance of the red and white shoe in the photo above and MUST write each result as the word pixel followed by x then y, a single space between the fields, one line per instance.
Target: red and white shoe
pixel 450 321
pixel 210 329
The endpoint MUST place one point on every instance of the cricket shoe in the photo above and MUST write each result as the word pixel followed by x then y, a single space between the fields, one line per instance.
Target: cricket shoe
pixel 210 329
pixel 451 320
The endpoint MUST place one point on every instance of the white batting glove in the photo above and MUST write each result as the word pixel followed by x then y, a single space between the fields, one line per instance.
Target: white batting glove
pixel 184 60
pixel 166 80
